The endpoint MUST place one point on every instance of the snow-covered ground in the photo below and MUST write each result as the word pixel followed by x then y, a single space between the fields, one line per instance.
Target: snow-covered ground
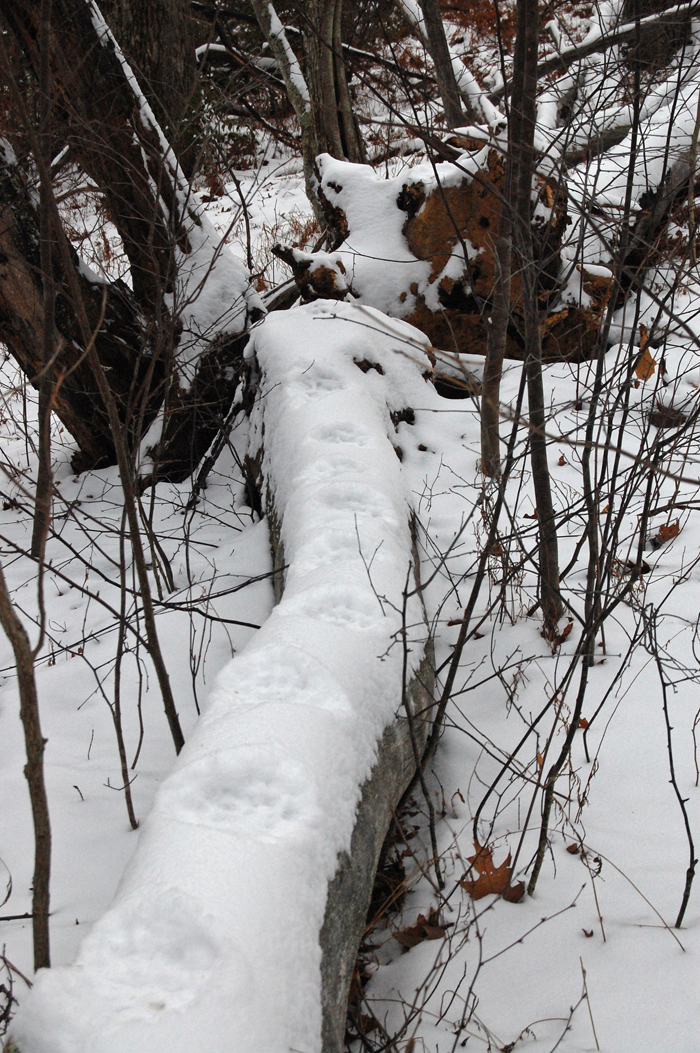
pixel 642 983
pixel 211 941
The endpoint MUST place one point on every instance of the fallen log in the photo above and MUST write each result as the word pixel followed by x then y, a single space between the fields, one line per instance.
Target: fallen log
pixel 236 924
pixel 423 250
pixel 350 892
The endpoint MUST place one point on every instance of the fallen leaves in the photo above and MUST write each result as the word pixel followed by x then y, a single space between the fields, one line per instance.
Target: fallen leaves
pixel 666 533
pixel 491 880
pixel 559 639
pixel 430 928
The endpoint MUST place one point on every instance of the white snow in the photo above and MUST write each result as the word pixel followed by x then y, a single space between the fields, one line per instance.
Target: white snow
pixel 295 73
pixel 211 942
pixel 223 900
pixel 379 265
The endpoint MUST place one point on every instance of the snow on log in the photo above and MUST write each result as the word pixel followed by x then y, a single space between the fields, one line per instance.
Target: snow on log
pixel 236 924
pixel 420 247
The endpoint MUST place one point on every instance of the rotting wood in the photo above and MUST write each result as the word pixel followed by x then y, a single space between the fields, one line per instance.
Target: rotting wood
pixel 439 222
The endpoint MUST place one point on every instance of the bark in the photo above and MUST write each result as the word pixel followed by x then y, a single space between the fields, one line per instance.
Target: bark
pixel 350 891
pixel 458 105
pixel 331 107
pixel 123 341
pixel 624 34
pixel 659 44
pixel 195 416
pixel 496 337
pixel 157 38
pixel 318 51
pixel 442 60
pixel 299 96
pixel 109 138
pixel 115 139
pixel 521 142
pixel 124 461
pixel 350 136
pixel 44 481
pixel 34 773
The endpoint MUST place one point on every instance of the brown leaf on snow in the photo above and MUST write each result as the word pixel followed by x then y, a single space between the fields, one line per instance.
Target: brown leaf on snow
pixel 430 928
pixel 492 880
pixel 559 640
pixel 588 933
pixel 583 723
pixel 666 533
pixel 573 849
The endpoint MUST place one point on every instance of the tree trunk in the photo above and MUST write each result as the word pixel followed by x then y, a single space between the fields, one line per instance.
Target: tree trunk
pixel 523 118
pixel 350 891
pixel 496 336
pixel 331 107
pixel 351 139
pixel 44 479
pixel 157 39
pixel 114 137
pixel 440 54
pixel 299 96
pixel 123 341
pixel 318 50
pixel 110 137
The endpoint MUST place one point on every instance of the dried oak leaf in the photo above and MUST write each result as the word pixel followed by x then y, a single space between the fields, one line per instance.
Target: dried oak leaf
pixel 492 880
pixel 646 365
pixel 430 928
pixel 666 533
pixel 559 640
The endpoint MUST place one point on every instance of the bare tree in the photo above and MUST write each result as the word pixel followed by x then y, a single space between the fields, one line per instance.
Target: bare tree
pixel 112 135
pixel 34 773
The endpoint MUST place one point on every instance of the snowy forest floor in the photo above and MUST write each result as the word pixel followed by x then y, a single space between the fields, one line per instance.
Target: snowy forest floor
pixel 591 961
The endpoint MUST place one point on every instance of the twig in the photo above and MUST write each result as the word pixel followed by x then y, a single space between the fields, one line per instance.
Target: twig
pixel 588 1002
pixel 14 969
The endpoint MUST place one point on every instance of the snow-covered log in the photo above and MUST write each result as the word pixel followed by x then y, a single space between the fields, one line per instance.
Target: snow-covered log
pixel 420 246
pixel 236 924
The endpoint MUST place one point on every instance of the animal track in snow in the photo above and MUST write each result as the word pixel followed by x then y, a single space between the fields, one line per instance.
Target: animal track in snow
pixel 342 432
